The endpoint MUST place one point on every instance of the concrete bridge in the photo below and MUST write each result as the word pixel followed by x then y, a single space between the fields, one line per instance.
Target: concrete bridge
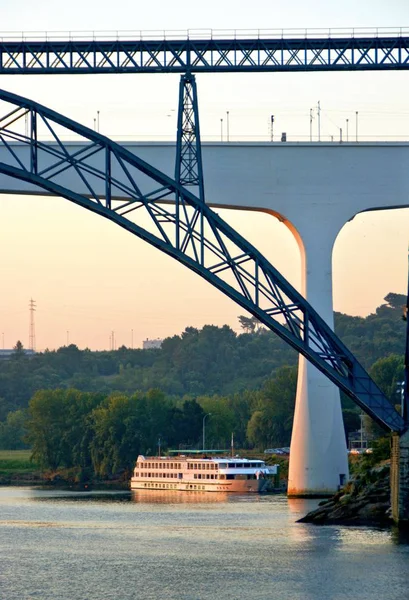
pixel 314 189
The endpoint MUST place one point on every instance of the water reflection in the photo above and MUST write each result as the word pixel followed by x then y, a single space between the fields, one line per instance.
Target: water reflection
pixel 59 544
pixel 299 507
pixel 182 497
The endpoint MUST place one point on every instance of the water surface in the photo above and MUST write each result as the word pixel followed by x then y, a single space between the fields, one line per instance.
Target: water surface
pixel 59 545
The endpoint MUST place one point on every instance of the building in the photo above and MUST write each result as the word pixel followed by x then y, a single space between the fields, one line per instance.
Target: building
pixel 6 354
pixel 152 344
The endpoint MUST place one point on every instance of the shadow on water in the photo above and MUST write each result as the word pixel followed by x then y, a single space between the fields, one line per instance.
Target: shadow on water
pixel 140 496
pixel 80 496
pixel 400 536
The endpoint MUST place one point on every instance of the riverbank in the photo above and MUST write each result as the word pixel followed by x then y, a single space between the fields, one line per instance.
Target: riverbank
pixel 18 469
pixel 365 500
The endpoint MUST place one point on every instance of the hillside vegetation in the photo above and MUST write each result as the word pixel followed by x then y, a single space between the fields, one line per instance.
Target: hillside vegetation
pixel 100 408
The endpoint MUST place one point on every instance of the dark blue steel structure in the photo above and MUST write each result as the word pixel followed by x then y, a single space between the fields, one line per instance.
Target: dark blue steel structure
pixel 384 52
pixel 189 166
pixel 181 225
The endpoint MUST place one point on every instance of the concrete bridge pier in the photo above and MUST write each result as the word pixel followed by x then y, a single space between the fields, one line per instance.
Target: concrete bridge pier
pixel 318 457
pixel 400 478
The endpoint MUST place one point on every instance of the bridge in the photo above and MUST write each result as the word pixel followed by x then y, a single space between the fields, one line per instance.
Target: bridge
pixel 236 267
pixel 204 51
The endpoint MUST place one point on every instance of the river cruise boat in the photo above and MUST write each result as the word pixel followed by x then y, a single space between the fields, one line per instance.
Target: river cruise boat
pixel 194 471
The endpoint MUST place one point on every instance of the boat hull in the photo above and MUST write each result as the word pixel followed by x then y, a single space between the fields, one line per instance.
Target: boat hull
pixel 237 486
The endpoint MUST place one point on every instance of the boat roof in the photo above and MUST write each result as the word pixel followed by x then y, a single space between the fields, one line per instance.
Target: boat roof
pixel 202 456
pixel 185 452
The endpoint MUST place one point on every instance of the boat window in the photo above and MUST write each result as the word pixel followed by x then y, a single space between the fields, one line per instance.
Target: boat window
pixel 222 476
pixel 222 465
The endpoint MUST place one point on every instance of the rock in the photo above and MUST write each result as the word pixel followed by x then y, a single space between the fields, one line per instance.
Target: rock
pixel 357 503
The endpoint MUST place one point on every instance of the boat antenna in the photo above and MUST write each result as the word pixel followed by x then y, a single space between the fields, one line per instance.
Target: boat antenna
pixel 232 444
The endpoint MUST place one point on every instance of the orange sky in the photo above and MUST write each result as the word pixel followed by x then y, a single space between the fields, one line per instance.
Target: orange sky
pixel 89 277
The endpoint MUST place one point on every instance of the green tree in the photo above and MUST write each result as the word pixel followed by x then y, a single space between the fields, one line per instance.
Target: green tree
pixel 18 351
pixel 47 424
pixel 14 430
pixel 271 423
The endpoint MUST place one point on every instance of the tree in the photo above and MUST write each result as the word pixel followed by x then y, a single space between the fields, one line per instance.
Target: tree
pixel 271 423
pixel 47 425
pixel 13 431
pixel 247 324
pixel 18 351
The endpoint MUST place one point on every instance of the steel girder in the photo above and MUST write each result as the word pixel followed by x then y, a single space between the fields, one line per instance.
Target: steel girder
pixel 181 225
pixel 208 55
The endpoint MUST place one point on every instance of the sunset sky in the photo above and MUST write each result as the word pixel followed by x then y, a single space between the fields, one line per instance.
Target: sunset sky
pixel 88 276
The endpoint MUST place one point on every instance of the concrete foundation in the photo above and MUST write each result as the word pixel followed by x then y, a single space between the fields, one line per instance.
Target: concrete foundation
pixel 400 478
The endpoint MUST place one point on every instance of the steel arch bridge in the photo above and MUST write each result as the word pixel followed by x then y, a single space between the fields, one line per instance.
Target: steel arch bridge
pixel 181 225
pixel 224 52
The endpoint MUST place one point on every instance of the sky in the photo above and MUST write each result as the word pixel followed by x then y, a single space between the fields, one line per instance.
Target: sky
pixel 90 278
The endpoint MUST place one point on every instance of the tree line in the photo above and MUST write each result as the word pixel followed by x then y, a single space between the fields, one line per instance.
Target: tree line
pixel 213 360
pixel 98 436
pixel 76 398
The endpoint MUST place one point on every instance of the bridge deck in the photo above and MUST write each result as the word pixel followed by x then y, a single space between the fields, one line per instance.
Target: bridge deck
pixel 215 54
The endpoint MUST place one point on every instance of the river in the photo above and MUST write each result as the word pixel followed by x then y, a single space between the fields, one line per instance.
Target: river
pixel 62 545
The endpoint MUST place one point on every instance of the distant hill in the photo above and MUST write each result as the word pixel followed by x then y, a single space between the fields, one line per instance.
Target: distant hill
pixel 213 360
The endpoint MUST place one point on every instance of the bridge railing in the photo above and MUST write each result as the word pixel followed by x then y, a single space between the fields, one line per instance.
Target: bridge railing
pixel 204 34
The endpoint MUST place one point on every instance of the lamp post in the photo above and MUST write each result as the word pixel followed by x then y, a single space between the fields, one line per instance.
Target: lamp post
pixel 204 429
pixel 228 126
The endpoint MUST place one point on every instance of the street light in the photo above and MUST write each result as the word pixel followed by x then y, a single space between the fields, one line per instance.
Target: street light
pixel 204 429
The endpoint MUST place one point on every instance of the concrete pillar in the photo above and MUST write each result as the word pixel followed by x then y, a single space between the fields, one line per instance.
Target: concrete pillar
pixel 400 478
pixel 318 457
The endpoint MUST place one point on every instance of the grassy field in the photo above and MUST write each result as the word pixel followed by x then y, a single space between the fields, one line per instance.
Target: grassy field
pixel 16 461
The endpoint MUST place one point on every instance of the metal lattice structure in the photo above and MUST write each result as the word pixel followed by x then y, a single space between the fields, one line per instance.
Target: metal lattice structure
pixel 253 54
pixel 189 166
pixel 101 176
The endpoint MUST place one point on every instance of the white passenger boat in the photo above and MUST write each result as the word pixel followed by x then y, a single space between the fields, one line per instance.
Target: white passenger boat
pixel 202 472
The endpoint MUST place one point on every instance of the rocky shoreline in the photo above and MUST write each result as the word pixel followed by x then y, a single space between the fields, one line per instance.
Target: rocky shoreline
pixel 365 500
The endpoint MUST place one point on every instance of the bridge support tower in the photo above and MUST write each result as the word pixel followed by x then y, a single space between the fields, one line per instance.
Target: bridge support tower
pixel 318 457
pixel 400 478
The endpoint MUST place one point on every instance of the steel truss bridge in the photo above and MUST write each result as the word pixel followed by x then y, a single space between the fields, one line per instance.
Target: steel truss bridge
pixel 296 50
pixel 182 226
pixel 180 222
